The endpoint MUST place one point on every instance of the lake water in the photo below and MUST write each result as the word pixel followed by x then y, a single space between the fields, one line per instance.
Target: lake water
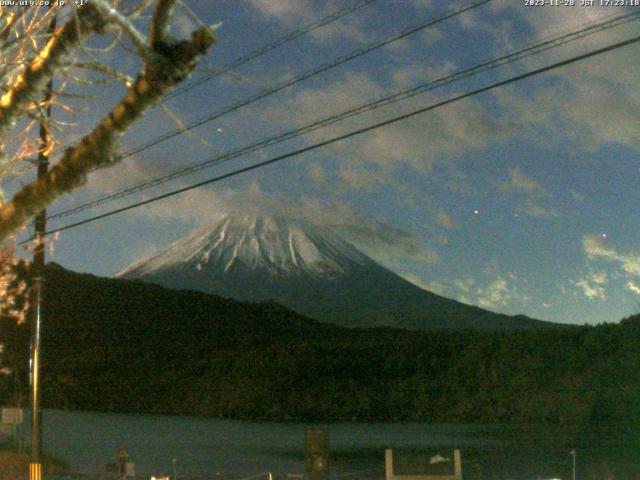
pixel 214 448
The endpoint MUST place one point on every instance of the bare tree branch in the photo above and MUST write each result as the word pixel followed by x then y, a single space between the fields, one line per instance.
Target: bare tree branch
pixel 124 24
pixel 173 61
pixel 159 31
pixel 34 78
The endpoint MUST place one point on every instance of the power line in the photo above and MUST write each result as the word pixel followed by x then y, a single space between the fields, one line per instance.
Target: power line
pixel 369 106
pixel 270 46
pixel 360 131
pixel 304 76
pixel 386 100
pixel 261 51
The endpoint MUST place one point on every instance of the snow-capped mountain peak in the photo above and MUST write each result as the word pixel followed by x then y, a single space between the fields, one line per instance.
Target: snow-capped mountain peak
pixel 273 244
pixel 309 269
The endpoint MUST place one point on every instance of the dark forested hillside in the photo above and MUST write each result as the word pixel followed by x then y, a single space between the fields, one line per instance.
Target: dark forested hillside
pixel 121 345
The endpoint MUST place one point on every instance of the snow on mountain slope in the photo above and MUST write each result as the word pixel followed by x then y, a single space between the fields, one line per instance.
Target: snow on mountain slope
pixel 268 244
pixel 309 269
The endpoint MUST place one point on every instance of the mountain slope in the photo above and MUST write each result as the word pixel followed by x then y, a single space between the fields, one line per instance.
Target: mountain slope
pixel 128 346
pixel 310 270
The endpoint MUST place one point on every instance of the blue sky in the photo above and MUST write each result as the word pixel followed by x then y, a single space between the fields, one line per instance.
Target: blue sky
pixel 521 200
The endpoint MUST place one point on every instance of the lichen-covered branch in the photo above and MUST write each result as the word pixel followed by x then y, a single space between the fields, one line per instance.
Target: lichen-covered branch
pixel 173 62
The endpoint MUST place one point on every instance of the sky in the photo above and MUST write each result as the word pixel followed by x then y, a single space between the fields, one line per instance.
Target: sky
pixel 519 200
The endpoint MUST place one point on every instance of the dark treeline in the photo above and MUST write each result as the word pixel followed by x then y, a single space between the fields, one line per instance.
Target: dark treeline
pixel 124 346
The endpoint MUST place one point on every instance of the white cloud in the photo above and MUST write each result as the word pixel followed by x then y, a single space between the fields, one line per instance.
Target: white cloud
pixel 534 210
pixel 373 159
pixel 634 287
pixel 411 75
pixel 592 285
pixel 284 10
pixel 627 263
pixel 551 22
pixel 520 182
pixel 530 191
pixel 464 284
pixel 495 294
pixel 296 13
pixel 593 102
pixel 501 291
pixel 596 247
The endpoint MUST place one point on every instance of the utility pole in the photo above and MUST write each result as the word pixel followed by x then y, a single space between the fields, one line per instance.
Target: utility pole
pixel 37 277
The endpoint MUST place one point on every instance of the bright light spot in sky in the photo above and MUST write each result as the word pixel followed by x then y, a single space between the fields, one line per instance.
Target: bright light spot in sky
pixel 476 212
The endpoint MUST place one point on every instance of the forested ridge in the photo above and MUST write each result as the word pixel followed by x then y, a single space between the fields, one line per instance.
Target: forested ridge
pixel 126 346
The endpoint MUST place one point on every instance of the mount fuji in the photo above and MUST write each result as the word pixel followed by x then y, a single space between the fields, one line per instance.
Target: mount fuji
pixel 311 270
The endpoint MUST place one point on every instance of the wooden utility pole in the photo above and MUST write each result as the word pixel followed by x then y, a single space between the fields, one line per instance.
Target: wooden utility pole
pixel 37 278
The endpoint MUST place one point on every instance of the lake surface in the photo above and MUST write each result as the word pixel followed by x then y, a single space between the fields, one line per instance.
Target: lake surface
pixel 214 448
